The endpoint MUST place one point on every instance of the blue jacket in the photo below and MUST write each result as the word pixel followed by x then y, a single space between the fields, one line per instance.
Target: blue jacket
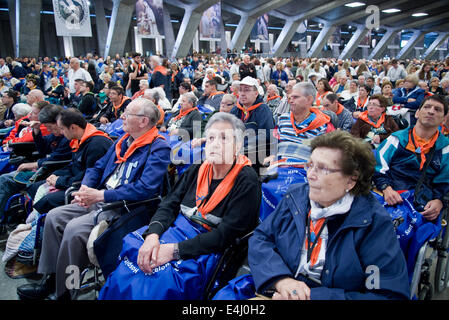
pixel 399 167
pixel 143 174
pixel 361 238
pixel 260 118
pixel 401 96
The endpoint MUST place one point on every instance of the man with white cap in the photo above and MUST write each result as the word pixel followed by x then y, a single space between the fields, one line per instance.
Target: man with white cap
pixel 251 109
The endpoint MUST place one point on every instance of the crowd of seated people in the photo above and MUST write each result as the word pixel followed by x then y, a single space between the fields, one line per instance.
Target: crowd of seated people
pixel 323 109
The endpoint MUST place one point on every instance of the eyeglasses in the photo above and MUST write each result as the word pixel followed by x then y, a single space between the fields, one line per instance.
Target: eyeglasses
pixel 248 90
pixel 374 104
pixel 126 115
pixel 320 170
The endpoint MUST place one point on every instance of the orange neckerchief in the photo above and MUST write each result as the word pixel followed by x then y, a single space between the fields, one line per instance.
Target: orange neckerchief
pixel 422 146
pixel 314 229
pixel 246 112
pixel 162 116
pixel 90 131
pixel 272 98
pixel 173 75
pixel 320 119
pixel 320 97
pixel 182 113
pixel 160 69
pixel 116 108
pixel 364 117
pixel 211 77
pixel 138 94
pixel 215 93
pixel 361 106
pixel 340 109
pixel 203 182
pixel 143 140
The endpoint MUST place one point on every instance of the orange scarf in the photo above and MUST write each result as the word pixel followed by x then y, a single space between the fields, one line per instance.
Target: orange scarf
pixel 173 75
pixel 361 106
pixel 364 117
pixel 203 182
pixel 247 112
pixel 315 229
pixel 422 146
pixel 272 98
pixel 340 109
pixel 162 116
pixel 143 140
pixel 183 113
pixel 320 97
pixel 138 94
pixel 444 130
pixel 160 69
pixel 320 119
pixel 90 131
pixel 215 93
pixel 116 108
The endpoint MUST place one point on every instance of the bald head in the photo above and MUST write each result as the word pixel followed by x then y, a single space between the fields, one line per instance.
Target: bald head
pixel 34 96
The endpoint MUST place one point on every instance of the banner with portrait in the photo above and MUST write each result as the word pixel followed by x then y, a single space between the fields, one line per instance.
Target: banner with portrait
pixel 150 18
pixel 260 30
pixel 72 18
pixel 301 33
pixel 210 25
pixel 335 38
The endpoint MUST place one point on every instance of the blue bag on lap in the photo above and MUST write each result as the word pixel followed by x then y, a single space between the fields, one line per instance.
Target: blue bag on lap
pixel 240 288
pixel 175 280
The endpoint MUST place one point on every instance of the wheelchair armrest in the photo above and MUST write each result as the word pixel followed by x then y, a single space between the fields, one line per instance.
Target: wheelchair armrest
pixel 22 147
pixel 128 205
pixel 68 193
pixel 267 178
pixel 17 160
pixel 54 165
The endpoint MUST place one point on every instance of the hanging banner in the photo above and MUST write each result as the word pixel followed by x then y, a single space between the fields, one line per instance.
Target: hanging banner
pixel 366 42
pixel 260 30
pixel 150 18
pixel 301 33
pixel 210 25
pixel 335 38
pixel 72 18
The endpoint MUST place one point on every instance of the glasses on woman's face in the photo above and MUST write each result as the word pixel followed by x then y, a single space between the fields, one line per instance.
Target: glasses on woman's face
pixel 319 169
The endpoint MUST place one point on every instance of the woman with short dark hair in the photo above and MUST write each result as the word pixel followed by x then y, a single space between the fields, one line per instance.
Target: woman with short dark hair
pixel 326 236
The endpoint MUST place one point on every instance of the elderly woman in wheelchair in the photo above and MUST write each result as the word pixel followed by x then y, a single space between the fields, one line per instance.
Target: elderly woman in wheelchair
pixel 330 238
pixel 211 205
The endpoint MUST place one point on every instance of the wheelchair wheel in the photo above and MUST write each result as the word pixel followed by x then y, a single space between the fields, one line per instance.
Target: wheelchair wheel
pixel 442 267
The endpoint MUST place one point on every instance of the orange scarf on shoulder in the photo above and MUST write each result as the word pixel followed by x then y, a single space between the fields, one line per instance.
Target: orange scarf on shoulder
pixel 215 93
pixel 272 98
pixel 204 179
pixel 320 119
pixel 320 97
pixel 340 109
pixel 89 132
pixel 160 69
pixel 364 117
pixel 247 112
pixel 444 130
pixel 117 108
pixel 183 113
pixel 149 137
pixel 422 146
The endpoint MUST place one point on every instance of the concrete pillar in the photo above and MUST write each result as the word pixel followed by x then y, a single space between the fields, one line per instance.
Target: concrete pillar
pixel 321 40
pixel 25 20
pixel 196 42
pixel 353 43
pixel 101 25
pixel 242 32
pixel 382 45
pixel 189 25
pixel 169 34
pixel 438 41
pixel 228 38
pixel 417 36
pixel 122 12
pixel 286 35
pixel 223 43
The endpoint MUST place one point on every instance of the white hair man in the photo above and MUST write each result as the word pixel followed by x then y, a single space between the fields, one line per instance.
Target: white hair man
pixel 76 72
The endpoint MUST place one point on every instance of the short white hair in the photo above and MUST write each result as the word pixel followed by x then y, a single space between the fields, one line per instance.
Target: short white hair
pixel 21 110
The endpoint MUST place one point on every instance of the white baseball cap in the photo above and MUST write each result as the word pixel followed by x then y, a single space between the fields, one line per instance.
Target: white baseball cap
pixel 250 81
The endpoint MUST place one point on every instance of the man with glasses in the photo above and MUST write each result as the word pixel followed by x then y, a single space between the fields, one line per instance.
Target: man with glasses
pixel 330 103
pixel 284 106
pixel 403 155
pixel 132 170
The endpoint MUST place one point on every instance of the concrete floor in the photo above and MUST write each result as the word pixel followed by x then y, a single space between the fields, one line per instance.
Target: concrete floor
pixel 8 286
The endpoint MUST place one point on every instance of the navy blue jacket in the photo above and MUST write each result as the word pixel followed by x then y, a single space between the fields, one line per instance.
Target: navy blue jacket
pixel 143 174
pixel 401 95
pixel 361 238
pixel 52 148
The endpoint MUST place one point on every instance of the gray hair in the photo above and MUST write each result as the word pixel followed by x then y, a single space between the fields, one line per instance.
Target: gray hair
pixel 21 110
pixel 148 109
pixel 230 97
pixel 275 88
pixel 142 81
pixel 152 94
pixel 306 88
pixel 191 97
pixel 156 59
pixel 237 125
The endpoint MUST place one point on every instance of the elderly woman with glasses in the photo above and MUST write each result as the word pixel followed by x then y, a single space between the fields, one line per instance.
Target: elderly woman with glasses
pixel 213 204
pixel 374 125
pixel 330 238
pixel 184 118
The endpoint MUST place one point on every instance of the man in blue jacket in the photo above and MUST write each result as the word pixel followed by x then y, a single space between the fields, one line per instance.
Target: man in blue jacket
pixel 132 169
pixel 52 147
pixel 402 156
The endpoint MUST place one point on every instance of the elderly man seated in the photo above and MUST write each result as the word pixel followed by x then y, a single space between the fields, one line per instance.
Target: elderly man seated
pixel 272 98
pixel 301 124
pixel 132 169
